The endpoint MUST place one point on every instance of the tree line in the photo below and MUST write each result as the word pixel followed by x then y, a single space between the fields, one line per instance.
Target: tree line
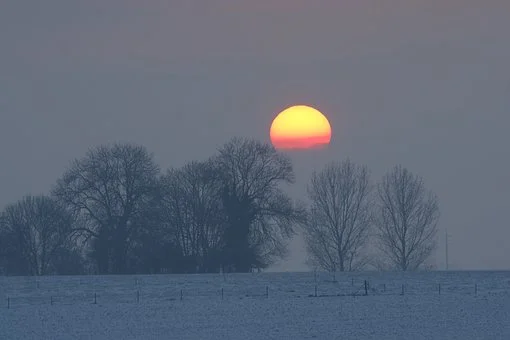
pixel 114 211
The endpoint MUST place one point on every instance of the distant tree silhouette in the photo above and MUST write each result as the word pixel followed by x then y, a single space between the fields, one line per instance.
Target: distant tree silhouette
pixel 340 216
pixel 193 215
pixel 260 217
pixel 108 190
pixel 227 213
pixel 34 232
pixel 152 248
pixel 12 261
pixel 406 218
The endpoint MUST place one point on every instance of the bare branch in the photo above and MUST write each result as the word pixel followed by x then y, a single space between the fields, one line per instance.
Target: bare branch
pixel 407 218
pixel 107 191
pixel 340 217
pixel 39 227
pixel 260 217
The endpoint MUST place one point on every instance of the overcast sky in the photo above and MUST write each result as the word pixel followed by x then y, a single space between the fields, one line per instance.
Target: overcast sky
pixel 425 84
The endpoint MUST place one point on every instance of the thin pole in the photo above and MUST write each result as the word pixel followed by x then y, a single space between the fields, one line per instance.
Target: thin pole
pixel 446 247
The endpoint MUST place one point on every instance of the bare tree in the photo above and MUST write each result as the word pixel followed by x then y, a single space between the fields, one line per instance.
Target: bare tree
pixel 406 218
pixel 340 216
pixel 108 190
pixel 192 212
pixel 37 228
pixel 260 217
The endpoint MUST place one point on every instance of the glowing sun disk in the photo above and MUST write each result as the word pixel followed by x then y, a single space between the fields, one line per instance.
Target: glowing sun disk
pixel 300 127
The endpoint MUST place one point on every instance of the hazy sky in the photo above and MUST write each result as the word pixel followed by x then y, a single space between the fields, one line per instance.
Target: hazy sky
pixel 422 83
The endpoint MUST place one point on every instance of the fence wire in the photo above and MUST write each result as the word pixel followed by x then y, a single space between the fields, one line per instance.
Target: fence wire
pixel 22 292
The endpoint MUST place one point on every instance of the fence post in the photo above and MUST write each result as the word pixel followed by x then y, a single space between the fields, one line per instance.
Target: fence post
pixel 222 293
pixel 181 294
pixel 439 288
pixel 267 292
pixel 366 288
pixel 384 287
pixel 8 303
pixel 95 298
pixel 51 300
pixel 138 296
pixel 476 289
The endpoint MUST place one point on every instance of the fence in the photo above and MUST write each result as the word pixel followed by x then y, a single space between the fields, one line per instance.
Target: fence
pixel 167 288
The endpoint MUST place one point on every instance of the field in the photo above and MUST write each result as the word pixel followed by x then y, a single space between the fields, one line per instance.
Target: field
pixel 425 305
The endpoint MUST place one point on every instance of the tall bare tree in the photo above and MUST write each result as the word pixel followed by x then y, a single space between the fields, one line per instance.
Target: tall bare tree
pixel 406 219
pixel 260 217
pixel 37 229
pixel 192 212
pixel 108 190
pixel 340 216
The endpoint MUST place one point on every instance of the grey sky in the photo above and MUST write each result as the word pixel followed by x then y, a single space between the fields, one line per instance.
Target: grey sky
pixel 421 83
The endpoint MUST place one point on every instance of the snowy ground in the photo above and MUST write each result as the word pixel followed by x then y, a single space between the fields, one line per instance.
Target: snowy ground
pixel 435 305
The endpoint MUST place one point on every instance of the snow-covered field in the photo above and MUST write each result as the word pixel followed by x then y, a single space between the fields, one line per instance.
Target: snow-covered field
pixel 434 305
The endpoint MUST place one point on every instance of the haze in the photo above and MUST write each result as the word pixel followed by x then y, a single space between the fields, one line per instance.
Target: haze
pixel 424 84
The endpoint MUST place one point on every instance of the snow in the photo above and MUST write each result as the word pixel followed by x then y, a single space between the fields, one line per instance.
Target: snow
pixel 471 305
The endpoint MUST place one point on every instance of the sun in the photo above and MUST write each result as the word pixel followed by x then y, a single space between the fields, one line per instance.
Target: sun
pixel 300 127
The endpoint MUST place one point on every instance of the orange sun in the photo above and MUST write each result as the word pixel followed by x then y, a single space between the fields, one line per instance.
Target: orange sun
pixel 300 127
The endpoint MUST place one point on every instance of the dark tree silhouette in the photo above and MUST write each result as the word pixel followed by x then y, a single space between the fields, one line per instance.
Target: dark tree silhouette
pixel 35 230
pixel 260 217
pixel 193 216
pixel 340 216
pixel 108 190
pixel 153 250
pixel 406 218
pixel 12 260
